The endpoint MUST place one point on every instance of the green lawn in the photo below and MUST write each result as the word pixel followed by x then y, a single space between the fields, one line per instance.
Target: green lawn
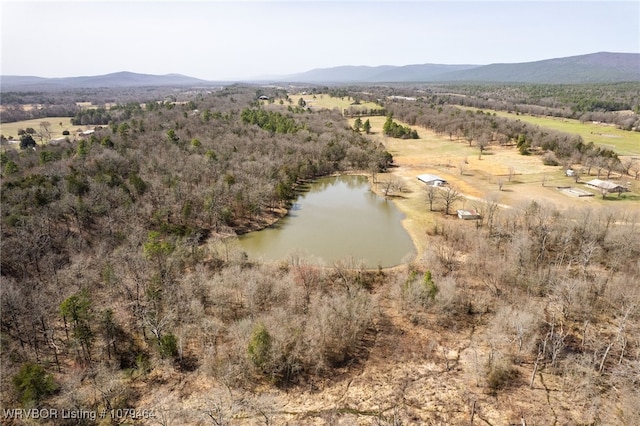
pixel 323 100
pixel 621 141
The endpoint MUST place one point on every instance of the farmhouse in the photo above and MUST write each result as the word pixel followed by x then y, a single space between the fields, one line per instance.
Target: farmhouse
pixel 606 186
pixel 431 180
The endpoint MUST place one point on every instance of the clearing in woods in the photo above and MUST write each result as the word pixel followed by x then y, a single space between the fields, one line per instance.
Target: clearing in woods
pixel 57 126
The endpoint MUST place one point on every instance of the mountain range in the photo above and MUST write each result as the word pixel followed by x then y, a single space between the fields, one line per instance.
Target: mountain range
pixel 601 67
pixel 114 80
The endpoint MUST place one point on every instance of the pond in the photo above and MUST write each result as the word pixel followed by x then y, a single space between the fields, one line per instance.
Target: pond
pixel 338 218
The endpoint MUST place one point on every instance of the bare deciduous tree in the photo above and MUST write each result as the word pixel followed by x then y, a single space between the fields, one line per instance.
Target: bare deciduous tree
pixel 634 169
pixel 449 196
pixel 392 184
pixel 45 130
pixel 463 166
pixel 431 193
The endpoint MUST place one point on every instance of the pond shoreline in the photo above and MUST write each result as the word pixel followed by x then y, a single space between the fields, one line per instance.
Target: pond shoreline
pixel 276 214
pixel 372 229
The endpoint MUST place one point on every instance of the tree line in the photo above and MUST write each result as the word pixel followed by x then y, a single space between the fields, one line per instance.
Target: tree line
pixel 482 129
pixel 617 103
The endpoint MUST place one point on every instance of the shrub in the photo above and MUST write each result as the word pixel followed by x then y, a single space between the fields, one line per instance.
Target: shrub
pixel 32 383
pixel 142 363
pixel 550 159
pixel 168 346
pixel 501 375
pixel 337 324
pixel 10 168
pixel 419 292
pixel 524 149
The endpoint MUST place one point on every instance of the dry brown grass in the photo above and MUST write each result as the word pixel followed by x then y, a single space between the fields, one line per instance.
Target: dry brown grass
pixel 58 125
pixel 530 180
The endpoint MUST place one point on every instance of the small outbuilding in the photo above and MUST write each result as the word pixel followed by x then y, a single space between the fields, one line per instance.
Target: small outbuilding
pixel 432 180
pixel 86 133
pixel 468 214
pixel 58 141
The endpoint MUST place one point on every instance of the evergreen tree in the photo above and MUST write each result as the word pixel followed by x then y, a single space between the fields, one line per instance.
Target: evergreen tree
pixel 27 141
pixel 367 126
pixel 357 125
pixel 32 383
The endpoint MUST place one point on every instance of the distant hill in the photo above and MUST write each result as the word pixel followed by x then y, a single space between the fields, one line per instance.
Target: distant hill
pixel 379 74
pixel 119 79
pixel 602 67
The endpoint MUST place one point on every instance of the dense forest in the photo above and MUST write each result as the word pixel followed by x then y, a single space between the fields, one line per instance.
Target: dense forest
pixel 118 271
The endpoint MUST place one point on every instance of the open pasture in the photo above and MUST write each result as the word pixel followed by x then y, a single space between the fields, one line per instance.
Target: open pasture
pixel 323 100
pixel 58 125
pixel 608 136
pixel 501 174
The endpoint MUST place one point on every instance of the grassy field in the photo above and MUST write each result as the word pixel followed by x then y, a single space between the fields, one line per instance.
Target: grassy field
pixel 58 125
pixel 321 101
pixel 480 178
pixel 621 141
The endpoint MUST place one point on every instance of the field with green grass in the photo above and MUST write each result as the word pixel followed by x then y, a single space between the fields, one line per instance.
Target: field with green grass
pixel 607 136
pixel 320 101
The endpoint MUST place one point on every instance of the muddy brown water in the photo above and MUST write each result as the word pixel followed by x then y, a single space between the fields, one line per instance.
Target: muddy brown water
pixel 338 218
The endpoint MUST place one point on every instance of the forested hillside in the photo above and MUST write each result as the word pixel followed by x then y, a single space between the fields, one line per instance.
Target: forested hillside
pixel 98 236
pixel 598 68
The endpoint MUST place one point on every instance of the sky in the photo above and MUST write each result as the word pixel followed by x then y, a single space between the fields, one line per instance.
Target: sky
pixel 241 40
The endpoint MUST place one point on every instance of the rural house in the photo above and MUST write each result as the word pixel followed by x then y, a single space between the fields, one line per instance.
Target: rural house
pixel 606 186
